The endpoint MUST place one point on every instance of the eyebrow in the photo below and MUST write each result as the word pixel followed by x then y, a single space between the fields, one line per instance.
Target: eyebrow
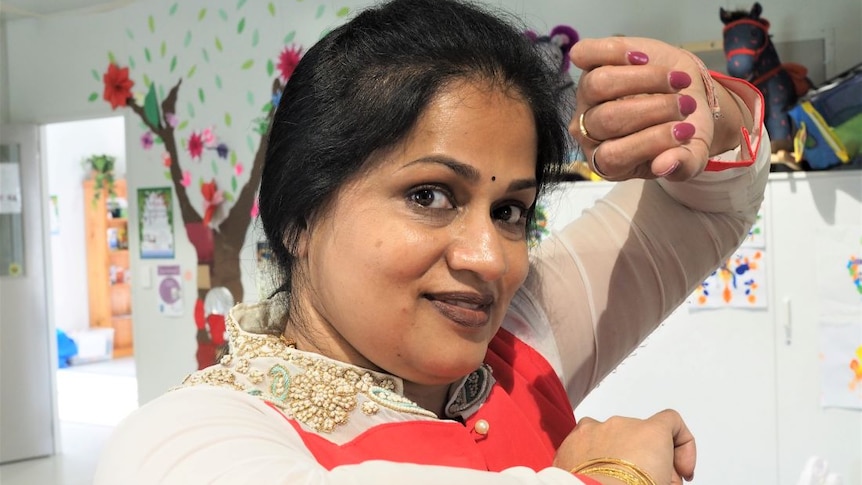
pixel 470 173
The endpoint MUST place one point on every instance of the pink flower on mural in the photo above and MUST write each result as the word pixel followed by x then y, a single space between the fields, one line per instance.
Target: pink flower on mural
pixel 287 61
pixel 166 159
pixel 238 168
pixel 147 140
pixel 118 86
pixel 187 178
pixel 208 137
pixel 196 145
pixel 171 119
pixel 255 210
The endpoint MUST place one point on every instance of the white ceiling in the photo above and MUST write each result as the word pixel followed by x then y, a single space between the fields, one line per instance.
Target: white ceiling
pixel 20 9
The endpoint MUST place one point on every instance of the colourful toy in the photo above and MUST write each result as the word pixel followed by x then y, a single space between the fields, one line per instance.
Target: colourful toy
pixel 752 56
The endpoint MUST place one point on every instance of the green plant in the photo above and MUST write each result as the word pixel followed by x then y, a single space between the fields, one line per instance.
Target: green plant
pixel 102 168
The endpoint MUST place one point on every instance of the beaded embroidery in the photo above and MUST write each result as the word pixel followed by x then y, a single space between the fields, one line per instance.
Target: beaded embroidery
pixel 316 391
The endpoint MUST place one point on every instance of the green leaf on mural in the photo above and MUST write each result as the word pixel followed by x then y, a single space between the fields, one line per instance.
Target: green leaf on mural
pixel 95 74
pixel 168 174
pixel 270 68
pixel 222 14
pixel 249 96
pixel 320 10
pixel 255 38
pixel 227 119
pixel 247 64
pixel 173 9
pixel 218 81
pixel 173 63
pixel 188 39
pixel 201 182
pixel 202 14
pixel 182 126
pixel 232 158
pixel 163 49
pixel 158 140
pixel 201 95
pixel 233 183
pixel 151 23
pixel 147 55
pixel 129 34
pixel 192 71
pixel 228 196
pixel 342 12
pixel 267 107
pixel 147 81
pixel 240 4
pixel 93 97
pixel 289 37
pixel 250 142
pixel 191 109
pixel 241 26
pixel 205 55
pixel 161 92
pixel 218 44
pixel 111 58
pixel 214 167
pixel 151 107
pixel 271 8
pixel 131 62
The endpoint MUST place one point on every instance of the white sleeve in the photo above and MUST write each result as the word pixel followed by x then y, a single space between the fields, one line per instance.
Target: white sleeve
pixel 213 435
pixel 609 278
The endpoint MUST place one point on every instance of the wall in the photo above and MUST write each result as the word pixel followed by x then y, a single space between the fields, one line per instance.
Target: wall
pixel 55 67
pixel 4 75
pixel 65 146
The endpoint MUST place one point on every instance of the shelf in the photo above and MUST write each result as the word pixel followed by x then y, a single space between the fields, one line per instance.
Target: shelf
pixel 117 222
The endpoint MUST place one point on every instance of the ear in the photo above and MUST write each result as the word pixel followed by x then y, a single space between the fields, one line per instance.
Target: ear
pixel 756 10
pixel 724 15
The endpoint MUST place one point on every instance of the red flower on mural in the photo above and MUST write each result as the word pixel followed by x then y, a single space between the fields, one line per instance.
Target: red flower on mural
pixel 287 61
pixel 196 145
pixel 118 86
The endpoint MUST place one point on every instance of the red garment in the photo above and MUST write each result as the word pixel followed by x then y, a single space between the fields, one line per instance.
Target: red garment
pixel 528 413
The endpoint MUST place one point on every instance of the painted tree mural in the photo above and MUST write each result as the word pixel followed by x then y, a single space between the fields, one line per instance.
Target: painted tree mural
pixel 216 190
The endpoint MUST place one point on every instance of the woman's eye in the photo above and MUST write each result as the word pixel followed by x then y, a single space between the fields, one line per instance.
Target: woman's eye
pixel 431 198
pixel 510 214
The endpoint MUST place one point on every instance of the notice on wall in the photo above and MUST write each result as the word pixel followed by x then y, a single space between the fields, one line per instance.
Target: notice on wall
pixel 839 273
pixel 740 282
pixel 169 290
pixel 156 226
pixel 841 364
pixel 10 188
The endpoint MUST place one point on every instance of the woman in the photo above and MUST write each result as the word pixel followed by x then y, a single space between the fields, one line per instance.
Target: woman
pixel 414 339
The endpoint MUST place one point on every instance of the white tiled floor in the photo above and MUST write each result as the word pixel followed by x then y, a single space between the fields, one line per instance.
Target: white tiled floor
pixel 93 398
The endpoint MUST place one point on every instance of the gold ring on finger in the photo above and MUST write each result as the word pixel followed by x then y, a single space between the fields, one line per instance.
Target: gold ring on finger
pixel 583 129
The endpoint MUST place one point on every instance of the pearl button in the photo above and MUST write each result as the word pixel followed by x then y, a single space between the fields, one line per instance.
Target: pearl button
pixel 481 427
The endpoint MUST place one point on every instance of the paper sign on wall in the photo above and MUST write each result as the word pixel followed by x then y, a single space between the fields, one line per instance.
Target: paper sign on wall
pixel 841 364
pixel 740 282
pixel 156 228
pixel 169 290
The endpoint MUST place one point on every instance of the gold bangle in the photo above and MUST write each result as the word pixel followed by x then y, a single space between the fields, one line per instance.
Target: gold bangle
pixel 623 470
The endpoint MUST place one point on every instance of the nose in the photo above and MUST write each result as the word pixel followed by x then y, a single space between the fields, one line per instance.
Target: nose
pixel 477 246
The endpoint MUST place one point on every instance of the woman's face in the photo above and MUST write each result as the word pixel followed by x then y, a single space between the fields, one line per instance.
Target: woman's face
pixel 413 265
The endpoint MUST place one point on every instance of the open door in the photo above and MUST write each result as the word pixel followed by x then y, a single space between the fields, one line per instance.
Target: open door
pixel 27 349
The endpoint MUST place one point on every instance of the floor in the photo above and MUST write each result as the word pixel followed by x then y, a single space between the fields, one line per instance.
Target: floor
pixel 92 398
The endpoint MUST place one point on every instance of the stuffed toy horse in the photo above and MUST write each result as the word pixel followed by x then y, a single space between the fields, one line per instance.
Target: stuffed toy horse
pixel 555 48
pixel 752 56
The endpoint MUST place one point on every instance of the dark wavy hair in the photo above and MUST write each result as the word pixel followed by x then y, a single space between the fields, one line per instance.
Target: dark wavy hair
pixel 361 89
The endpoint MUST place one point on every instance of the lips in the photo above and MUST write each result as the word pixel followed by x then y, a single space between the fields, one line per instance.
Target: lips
pixel 470 310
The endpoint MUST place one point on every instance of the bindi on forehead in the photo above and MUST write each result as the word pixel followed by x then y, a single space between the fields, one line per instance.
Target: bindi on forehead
pixel 493 178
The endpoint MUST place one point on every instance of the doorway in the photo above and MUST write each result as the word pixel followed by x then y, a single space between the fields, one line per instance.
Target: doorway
pixel 93 370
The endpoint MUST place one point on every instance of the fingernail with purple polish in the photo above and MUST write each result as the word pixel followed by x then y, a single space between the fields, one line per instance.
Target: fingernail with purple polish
pixel 679 80
pixel 683 131
pixel 687 105
pixel 669 170
pixel 637 58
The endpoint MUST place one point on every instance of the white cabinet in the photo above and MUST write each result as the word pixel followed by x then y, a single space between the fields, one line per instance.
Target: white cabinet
pixel 751 399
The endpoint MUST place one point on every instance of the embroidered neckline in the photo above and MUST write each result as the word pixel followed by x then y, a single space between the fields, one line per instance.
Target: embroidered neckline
pixel 316 391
